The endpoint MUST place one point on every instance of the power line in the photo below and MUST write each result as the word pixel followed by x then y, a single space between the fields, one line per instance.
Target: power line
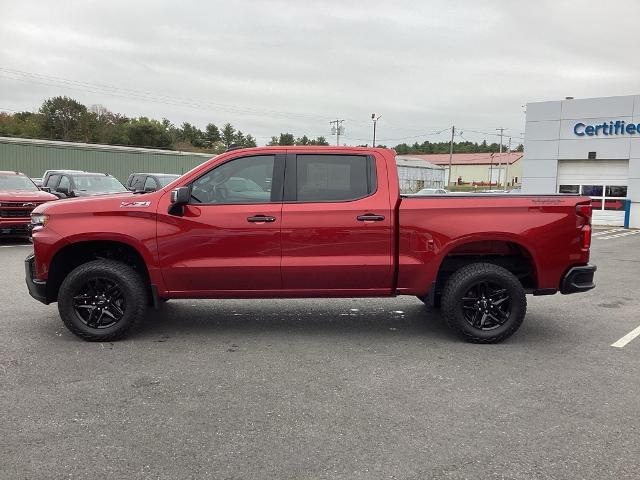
pixel 489 133
pixel 112 90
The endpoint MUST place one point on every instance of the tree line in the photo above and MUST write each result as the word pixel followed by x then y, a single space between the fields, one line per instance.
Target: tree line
pixel 458 147
pixel 63 118
pixel 290 139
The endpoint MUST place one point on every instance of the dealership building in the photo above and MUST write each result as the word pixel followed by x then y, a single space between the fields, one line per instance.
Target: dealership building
pixel 589 146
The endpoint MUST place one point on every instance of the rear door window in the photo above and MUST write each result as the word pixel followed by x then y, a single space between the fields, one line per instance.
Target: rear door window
pixel 333 178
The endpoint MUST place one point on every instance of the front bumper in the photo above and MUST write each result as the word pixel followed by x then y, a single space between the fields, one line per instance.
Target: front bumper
pixel 18 227
pixel 578 279
pixel 37 288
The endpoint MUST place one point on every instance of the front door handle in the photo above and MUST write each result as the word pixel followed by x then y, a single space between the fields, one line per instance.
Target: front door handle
pixel 260 219
pixel 370 217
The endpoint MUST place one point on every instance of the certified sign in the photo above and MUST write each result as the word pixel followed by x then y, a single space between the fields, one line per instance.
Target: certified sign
pixel 619 127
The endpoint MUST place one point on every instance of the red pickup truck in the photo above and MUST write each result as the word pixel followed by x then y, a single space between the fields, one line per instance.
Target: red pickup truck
pixel 284 222
pixel 18 197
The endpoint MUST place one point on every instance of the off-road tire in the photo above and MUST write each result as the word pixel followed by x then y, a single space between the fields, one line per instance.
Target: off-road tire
pixel 131 286
pixel 459 285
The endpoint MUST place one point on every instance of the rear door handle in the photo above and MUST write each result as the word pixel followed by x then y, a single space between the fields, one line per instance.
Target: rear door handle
pixel 260 218
pixel 370 217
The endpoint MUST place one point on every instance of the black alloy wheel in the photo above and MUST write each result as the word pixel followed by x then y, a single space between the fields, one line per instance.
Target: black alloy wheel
pixel 102 300
pixel 486 305
pixel 99 303
pixel 484 302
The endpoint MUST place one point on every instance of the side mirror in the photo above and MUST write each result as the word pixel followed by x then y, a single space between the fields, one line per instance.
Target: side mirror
pixel 64 191
pixel 179 198
pixel 46 189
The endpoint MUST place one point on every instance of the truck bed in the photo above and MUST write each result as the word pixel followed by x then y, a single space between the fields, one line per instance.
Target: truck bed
pixel 542 228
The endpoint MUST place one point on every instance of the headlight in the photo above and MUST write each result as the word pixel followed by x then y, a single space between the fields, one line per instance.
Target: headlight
pixel 38 220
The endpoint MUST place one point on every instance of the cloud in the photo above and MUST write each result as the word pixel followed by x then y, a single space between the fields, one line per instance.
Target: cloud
pixel 423 65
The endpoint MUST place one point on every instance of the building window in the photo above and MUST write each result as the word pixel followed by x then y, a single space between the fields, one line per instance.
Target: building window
pixel 616 191
pixel 603 197
pixel 614 197
pixel 569 189
pixel 592 190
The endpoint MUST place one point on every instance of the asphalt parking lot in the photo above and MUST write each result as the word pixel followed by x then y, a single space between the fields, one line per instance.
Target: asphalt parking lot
pixel 347 389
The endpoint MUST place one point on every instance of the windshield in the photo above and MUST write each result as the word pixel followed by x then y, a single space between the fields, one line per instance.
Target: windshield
pixel 164 181
pixel 16 182
pixel 98 184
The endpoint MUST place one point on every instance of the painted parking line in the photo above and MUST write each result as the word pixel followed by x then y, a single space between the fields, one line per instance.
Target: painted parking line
pixel 627 338
pixel 13 246
pixel 618 235
pixel 606 232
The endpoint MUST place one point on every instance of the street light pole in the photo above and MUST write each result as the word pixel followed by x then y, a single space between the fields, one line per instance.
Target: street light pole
pixel 375 122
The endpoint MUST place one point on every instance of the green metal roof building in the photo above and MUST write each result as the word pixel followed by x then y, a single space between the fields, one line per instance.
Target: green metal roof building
pixel 33 157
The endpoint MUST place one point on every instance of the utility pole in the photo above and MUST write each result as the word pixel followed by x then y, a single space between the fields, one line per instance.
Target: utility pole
pixel 453 132
pixel 491 170
pixel 501 130
pixel 506 175
pixel 375 121
pixel 337 130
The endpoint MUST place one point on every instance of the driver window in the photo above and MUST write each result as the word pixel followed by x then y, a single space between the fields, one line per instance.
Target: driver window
pixel 64 183
pixel 243 180
pixel 150 184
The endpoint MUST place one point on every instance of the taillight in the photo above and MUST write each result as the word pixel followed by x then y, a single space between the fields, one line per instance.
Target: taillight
pixel 586 237
pixel 585 210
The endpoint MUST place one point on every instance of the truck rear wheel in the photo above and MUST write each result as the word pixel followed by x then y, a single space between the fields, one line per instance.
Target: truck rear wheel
pixel 102 300
pixel 484 302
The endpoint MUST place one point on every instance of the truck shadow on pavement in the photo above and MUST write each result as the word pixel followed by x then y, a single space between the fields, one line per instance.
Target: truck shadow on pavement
pixel 202 318
pixel 186 318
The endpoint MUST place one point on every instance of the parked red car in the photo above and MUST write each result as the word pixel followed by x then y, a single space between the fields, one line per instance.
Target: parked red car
pixel 306 222
pixel 18 197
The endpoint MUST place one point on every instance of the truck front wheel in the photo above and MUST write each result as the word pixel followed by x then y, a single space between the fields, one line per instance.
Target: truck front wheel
pixel 484 302
pixel 102 300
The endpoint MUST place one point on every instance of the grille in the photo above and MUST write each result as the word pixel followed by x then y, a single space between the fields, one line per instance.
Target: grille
pixel 21 230
pixel 15 213
pixel 19 204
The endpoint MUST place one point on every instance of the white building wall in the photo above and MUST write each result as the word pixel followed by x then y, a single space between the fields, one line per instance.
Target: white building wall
pixel 549 137
pixel 415 175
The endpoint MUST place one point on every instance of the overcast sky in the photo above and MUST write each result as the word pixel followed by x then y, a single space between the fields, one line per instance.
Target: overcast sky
pixel 291 66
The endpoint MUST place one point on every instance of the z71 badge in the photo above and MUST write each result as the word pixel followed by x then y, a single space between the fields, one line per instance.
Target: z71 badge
pixel 134 204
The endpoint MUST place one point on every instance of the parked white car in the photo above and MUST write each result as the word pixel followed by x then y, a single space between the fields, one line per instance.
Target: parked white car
pixel 432 191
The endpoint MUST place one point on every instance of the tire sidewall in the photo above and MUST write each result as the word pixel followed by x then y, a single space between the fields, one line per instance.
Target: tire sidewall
pixel 497 275
pixel 74 282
